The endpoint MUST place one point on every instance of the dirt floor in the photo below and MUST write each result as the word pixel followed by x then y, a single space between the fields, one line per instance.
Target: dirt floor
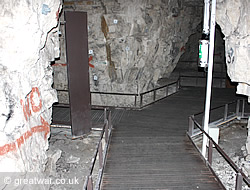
pixel 70 160
pixel 232 141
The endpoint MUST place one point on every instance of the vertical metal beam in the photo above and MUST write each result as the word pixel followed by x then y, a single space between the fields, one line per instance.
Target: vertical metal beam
pixel 105 115
pixel 100 151
pixel 239 178
pixel 238 108
pixel 141 100
pixel 209 76
pixel 191 126
pixel 179 83
pixel 206 17
pixel 243 108
pixel 135 100
pixel 106 130
pixel 225 112
pixel 90 184
pixel 109 120
pixel 167 90
pixel 154 95
pixel 78 72
pixel 210 152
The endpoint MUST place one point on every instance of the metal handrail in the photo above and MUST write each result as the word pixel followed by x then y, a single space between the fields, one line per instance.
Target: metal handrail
pixel 193 122
pixel 177 82
pixel 114 93
pixel 214 108
pixel 158 88
pixel 222 153
pixel 187 76
pixel 136 95
pixel 105 135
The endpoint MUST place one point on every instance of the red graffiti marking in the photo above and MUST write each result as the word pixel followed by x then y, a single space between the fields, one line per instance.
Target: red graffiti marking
pixel 60 64
pixel 90 59
pixel 57 13
pixel 183 48
pixel 91 65
pixel 44 127
pixel 36 107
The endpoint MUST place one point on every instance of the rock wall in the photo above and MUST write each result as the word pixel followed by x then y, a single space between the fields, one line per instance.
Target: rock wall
pixel 233 18
pixel 28 42
pixel 132 44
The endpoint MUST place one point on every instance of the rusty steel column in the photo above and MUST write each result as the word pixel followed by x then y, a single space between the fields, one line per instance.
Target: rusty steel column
pixel 78 72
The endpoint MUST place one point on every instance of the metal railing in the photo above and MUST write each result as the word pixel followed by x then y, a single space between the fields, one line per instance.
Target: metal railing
pixel 222 115
pixel 239 113
pixel 154 95
pixel 200 81
pixel 100 154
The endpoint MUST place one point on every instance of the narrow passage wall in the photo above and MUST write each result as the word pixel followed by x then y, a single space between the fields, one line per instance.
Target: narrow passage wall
pixel 28 43
pixel 132 44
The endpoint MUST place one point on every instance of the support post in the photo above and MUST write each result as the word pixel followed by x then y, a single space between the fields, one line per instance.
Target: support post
pixel 238 108
pixel 166 90
pixel 209 76
pixel 76 33
pixel 109 120
pixel 225 112
pixel 206 17
pixel 203 116
pixel 100 151
pixel 141 99
pixel 135 100
pixel 105 115
pixel 179 84
pixel 154 95
pixel 210 152
pixel 90 183
pixel 106 132
pixel 243 108
pixel 191 126
pixel 238 185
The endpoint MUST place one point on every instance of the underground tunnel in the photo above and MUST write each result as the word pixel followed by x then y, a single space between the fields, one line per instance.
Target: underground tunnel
pixel 131 94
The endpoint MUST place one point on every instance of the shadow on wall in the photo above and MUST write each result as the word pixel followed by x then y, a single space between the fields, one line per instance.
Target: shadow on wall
pixel 188 63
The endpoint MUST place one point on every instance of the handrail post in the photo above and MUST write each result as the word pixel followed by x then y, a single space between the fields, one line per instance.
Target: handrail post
pixel 238 185
pixel 243 108
pixel 135 100
pixel 109 120
pixel 141 99
pixel 105 114
pixel 238 108
pixel 191 126
pixel 100 151
pixel 154 95
pixel 225 112
pixel 203 117
pixel 210 152
pixel 166 90
pixel 106 132
pixel 90 183
pixel 179 83
pixel 180 80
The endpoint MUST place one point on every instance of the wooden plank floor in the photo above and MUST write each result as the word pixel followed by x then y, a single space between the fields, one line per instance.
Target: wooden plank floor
pixel 149 148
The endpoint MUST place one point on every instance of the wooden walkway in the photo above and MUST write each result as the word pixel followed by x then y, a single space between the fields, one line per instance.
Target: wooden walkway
pixel 149 148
